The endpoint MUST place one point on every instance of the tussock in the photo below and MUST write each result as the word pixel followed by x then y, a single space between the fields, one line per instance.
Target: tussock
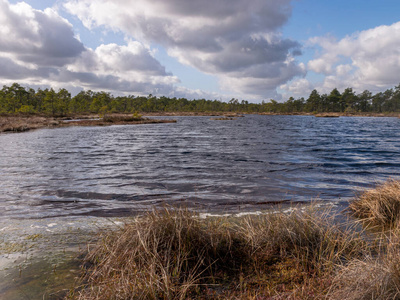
pixel 310 236
pixel 375 277
pixel 173 254
pixel 379 206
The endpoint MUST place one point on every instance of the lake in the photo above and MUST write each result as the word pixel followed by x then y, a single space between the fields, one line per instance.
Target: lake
pixel 60 186
pixel 208 165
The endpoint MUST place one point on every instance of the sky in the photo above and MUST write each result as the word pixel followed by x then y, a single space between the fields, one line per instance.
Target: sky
pixel 251 50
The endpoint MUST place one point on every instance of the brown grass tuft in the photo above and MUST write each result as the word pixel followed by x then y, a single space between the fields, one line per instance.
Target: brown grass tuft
pixel 310 237
pixel 375 277
pixel 173 254
pixel 379 206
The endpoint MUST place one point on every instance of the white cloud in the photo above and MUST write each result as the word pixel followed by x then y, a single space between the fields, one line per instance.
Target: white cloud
pixel 233 39
pixel 128 62
pixel 300 87
pixel 39 37
pixel 368 59
pixel 39 48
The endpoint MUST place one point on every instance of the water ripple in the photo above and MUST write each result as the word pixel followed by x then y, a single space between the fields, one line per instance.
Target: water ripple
pixel 196 162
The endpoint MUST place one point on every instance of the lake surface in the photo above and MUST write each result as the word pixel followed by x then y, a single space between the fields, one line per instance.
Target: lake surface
pixel 208 165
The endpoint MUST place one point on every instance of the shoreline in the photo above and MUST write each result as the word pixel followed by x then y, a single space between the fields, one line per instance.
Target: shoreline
pixel 22 123
pixel 13 124
pixel 297 250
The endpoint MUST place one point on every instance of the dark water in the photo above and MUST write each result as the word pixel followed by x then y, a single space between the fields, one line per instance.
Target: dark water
pixel 198 162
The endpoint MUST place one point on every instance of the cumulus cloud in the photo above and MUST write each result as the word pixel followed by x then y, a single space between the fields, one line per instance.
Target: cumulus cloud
pixel 39 37
pixel 128 67
pixel 368 59
pixel 232 39
pixel 299 87
pixel 39 48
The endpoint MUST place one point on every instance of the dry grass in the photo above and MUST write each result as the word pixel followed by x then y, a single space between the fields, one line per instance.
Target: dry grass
pixel 25 123
pixel 379 206
pixel 375 277
pixel 304 254
pixel 118 118
pixel 311 237
pixel 378 275
pixel 173 254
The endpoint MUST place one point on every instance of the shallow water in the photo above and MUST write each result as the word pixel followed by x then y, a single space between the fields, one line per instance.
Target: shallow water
pixel 210 165
pixel 40 258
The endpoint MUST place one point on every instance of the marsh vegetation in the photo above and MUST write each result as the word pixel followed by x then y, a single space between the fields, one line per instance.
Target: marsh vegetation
pixel 304 253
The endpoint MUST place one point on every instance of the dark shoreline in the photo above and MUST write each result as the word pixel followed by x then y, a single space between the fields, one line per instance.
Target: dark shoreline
pixel 238 114
pixel 12 124
pixel 22 123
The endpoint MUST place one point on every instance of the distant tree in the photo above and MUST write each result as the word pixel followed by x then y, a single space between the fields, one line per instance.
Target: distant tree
pixel 314 102
pixel 364 101
pixel 377 102
pixel 348 101
pixel 49 102
pixel 39 100
pixel 334 101
pixel 388 103
pixel 63 98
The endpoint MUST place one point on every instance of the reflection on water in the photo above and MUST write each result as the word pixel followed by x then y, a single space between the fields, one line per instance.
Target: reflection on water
pixel 207 164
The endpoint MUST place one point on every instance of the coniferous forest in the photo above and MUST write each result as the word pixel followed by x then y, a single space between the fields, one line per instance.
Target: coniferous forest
pixel 18 99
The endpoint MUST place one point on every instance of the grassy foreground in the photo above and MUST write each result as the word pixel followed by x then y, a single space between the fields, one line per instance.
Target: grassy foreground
pixel 303 254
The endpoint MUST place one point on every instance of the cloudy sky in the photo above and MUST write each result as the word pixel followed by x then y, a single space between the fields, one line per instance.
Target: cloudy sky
pixel 216 49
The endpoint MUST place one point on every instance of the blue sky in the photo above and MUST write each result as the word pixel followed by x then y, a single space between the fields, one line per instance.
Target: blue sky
pixel 246 49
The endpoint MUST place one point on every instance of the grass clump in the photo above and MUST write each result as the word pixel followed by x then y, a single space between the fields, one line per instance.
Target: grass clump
pixel 311 237
pixel 174 254
pixel 379 206
pixel 375 277
pixel 122 118
pixel 160 255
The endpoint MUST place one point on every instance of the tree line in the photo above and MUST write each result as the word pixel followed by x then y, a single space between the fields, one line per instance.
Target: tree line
pixel 18 99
